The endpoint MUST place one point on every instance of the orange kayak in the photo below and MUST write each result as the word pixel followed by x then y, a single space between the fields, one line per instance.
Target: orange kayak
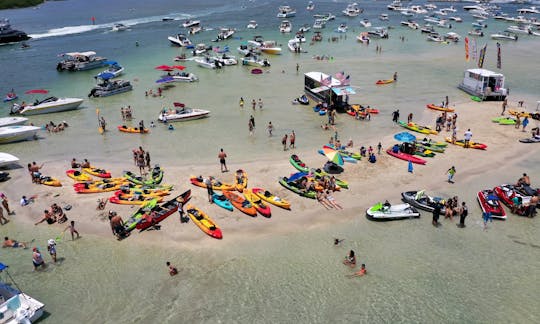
pixel 379 82
pixel 240 203
pixel 205 223
pixel 262 207
pixel 125 129
pixel 435 107
pixel 216 184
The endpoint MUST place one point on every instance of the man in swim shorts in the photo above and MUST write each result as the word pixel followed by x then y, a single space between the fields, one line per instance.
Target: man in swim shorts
pixel 13 243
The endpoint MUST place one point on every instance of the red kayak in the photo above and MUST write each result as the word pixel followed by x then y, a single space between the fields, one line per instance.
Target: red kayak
pixel 160 212
pixel 406 157
pixel 489 202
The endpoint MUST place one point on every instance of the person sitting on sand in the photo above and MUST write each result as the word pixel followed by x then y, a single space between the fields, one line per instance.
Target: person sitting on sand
pixel 102 203
pixel 350 260
pixel 13 243
pixel 85 164
pixel 47 217
pixel 360 272
pixel 75 164
pixel 58 213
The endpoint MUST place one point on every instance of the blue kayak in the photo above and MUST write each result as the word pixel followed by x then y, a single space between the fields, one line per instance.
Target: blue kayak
pixel 222 202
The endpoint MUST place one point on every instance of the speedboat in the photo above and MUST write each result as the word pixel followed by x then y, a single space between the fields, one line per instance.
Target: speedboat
pixel 382 212
pixel 285 26
pixel 249 48
pixel 366 23
pixel 451 36
pixel 16 306
pixel 10 134
pixel 195 29
pixel 395 5
pixel 224 33
pixel 7 159
pixel 294 46
pixel 225 60
pixel 479 24
pixel 363 37
pixel 179 77
pixel 190 23
pixel 201 49
pixel 378 32
pixel 299 37
pixel 411 24
pixel 456 18
pixel 304 29
pixel 530 10
pixel 179 40
pixel 422 201
pixel 48 105
pixel 427 29
pixel 520 29
pixel 252 24
pixel 448 9
pixel 310 6
pixel 319 24
pixel 435 37
pixel 417 9
pixel 286 12
pixel 270 47
pixel 114 68
pixel 107 87
pixel 504 35
pixel 12 121
pixel 119 27
pixel 183 114
pixel 9 35
pixel 342 28
pixel 444 24
pixel 352 10
pixel 476 32
pixel 254 60
pixel 208 62
pixel 383 17
pixel 80 61
pixel 326 17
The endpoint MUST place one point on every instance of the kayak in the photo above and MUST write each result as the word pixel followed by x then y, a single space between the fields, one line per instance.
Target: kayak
pixel 362 110
pixel 477 99
pixel 489 202
pixel 433 148
pixel 122 199
pixel 417 128
pixel 222 201
pixel 293 186
pixel 426 141
pixel 50 181
pixel 142 191
pixel 271 198
pixel 205 223
pixel 298 164
pixel 406 157
pixel 160 212
pixel 240 203
pixel 504 120
pixel 435 107
pixel 131 223
pixel 533 115
pixel 240 181
pixel 157 175
pixel 216 184
pixel 97 172
pixel 380 212
pixel 341 183
pixel 126 129
pixel 261 207
pixel 379 82
pixel 100 182
pixel 133 178
pixel 530 140
pixel 96 188
pixel 474 145
pixel 422 201
pixel 423 152
pixel 78 175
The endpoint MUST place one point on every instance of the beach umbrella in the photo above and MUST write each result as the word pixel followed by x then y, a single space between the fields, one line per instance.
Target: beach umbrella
pixel 333 155
pixel 34 91
pixel 178 67
pixel 405 137
pixel 163 67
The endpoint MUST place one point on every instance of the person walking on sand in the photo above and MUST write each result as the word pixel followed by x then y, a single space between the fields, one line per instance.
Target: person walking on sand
pixel 209 188
pixel 395 116
pixel 284 142
pixel 451 172
pixel 222 155
pixel 292 139
pixel 504 105
pixel 251 127
pixel 72 230
pixel 241 103
pixel 147 160
pixel 3 220
pixel 379 147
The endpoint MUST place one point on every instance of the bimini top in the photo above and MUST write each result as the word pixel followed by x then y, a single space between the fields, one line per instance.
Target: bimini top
pixel 319 76
pixel 484 72
pixel 89 53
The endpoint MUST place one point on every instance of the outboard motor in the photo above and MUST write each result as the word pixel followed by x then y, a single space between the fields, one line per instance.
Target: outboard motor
pixel 15 109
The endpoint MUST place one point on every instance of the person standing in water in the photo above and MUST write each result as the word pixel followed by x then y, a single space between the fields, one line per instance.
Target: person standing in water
pixel 241 102
pixel 395 76
pixel 463 214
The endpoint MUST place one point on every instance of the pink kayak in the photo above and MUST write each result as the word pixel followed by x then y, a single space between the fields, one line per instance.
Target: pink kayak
pixel 406 157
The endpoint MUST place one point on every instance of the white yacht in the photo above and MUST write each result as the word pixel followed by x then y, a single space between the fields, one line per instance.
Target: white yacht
pixel 411 24
pixel 225 59
pixel 179 76
pixel 416 9
pixel 430 6
pixel 10 134
pixel 520 29
pixel 12 121
pixel 378 32
pixel 195 29
pixel 294 46
pixel 179 40
pixel 208 63
pixel 182 114
pixel 254 60
pixel 365 23
pixel 435 37
pixel 383 17
pixel 286 12
pixel 285 26
pixel 224 33
pixel 455 18
pixel 352 10
pixel 80 61
pixel 48 105
pixel 310 6
pixel 201 49
pixel 300 37
pixel 319 24
pixel 7 159
pixel 16 306
pixel 326 17
pixel 395 5
pixel 304 29
pixel 453 37
pixel 190 23
pixel 252 24
pixel 270 47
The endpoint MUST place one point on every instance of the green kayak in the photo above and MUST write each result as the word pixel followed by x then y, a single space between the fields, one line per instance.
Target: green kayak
pixel 504 120
pixel 293 186
pixel 131 223
pixel 298 164
pixel 434 148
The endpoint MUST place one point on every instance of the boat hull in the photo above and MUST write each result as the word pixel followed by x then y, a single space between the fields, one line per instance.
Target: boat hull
pixel 394 212
pixel 53 107
pixel 11 134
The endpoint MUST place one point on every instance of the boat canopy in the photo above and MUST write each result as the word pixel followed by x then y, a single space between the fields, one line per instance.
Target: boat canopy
pixel 89 53
pixel 341 91
pixel 110 63
pixel 106 76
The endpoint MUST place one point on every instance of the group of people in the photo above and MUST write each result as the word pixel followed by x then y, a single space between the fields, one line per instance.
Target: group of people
pixel 51 127
pixel 141 158
pixel 254 103
pixel 75 165
pixel 53 215
pixel 325 198
pixel 291 138
pixel 446 120
pixel 451 208
pixel 127 113
pixel 350 260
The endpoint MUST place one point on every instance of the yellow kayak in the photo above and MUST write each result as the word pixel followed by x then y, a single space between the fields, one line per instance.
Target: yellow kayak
pixel 418 128
pixel 205 223
pixel 78 176
pixel 269 197
pixel 50 181
pixel 97 172
pixel 240 181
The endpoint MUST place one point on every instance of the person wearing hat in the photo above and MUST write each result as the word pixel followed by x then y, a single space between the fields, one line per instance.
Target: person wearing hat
pixel 37 259
pixel 51 247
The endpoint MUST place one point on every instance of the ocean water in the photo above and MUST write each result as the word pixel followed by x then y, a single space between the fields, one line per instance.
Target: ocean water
pixel 417 274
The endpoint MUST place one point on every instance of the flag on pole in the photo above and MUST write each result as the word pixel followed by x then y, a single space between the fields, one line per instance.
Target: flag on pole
pixel 467 49
pixel 499 61
pixel 482 56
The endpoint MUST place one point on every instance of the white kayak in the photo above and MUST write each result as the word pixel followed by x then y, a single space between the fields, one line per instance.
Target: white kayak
pixel 380 212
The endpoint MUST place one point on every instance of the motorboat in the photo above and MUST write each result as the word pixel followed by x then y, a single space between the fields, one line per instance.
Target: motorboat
pixel 12 121
pixel 417 10
pixel 107 87
pixel 252 24
pixel 195 29
pixel 455 18
pixel 434 19
pixel 16 306
pixel 304 29
pixel 119 27
pixel 520 29
pixel 352 10
pixel 286 12
pixel 179 40
pixel 422 201
pixel 7 159
pixel 384 212
pixel 201 49
pixel 504 35
pixel 80 61
pixel 479 24
pixel 427 29
pixel 310 6
pixel 190 23
pixel 378 32
pixel 411 24
pixel 114 68
pixel 270 47
pixel 180 76
pixel 430 6
pixel 342 28
pixel 182 113
pixel 48 105
pixel 299 37
pixel 225 60
pixel 363 37
pixel 383 17
pixel 294 46
pixel 395 5
pixel 326 17
pixel 10 134
pixel 224 33
pixel 208 63
pixel 435 37
pixel 9 35
pixel 530 10
pixel 249 48
pixel 476 32
pixel 448 9
pixel 254 60
pixel 407 13
pixel 444 24
pixel 453 37
pixel 319 24
pixel 285 26
pixel 365 23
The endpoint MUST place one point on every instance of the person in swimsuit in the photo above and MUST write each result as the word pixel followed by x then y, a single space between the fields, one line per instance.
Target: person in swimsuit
pixel 13 243
pixel 75 164
pixel 350 260
pixel 51 247
pixel 37 259
pixel 360 272
pixel 72 230
pixel 48 217
pixel 222 155
pixel 85 164
pixel 172 269
pixel 3 220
